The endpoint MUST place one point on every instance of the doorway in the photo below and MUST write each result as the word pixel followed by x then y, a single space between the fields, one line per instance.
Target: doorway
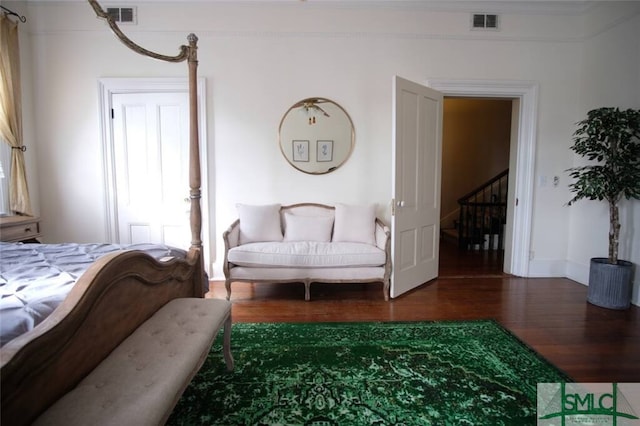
pixel 524 95
pixel 151 110
pixel 476 135
pixel 151 156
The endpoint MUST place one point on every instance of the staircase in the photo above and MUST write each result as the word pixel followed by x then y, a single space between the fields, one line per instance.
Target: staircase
pixel 483 213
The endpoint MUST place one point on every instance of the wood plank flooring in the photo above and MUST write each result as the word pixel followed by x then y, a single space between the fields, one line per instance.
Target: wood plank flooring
pixel 551 315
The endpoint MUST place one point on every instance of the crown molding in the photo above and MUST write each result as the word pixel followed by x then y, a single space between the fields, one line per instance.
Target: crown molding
pixel 568 7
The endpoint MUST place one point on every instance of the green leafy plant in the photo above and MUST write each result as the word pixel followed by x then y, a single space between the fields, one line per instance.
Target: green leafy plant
pixel 611 138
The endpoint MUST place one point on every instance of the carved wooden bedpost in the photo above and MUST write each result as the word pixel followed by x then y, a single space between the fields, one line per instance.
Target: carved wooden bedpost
pixel 195 193
pixel 190 54
pixel 194 145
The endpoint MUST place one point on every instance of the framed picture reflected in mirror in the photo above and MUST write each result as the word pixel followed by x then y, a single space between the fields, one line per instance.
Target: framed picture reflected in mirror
pixel 324 151
pixel 300 151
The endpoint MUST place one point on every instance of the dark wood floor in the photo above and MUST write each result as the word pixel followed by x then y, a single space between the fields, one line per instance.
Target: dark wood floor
pixel 551 315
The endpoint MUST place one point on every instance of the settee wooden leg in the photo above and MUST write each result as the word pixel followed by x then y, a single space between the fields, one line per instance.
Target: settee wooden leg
pixel 227 285
pixel 385 290
pixel 228 357
pixel 307 291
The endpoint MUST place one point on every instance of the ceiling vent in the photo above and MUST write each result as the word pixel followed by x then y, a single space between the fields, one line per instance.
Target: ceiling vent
pixel 123 15
pixel 484 21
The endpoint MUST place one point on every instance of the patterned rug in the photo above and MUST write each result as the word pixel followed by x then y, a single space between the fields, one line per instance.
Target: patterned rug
pixel 400 373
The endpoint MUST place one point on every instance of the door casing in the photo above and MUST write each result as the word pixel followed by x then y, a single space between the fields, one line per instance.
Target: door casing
pixel 107 87
pixel 520 205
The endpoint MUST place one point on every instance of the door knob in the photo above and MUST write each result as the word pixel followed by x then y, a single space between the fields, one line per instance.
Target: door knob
pixel 400 203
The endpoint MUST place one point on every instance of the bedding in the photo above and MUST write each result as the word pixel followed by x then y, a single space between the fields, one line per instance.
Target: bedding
pixel 35 278
pixel 114 296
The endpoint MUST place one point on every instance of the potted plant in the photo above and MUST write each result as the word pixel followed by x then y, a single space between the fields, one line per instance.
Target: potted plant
pixel 611 138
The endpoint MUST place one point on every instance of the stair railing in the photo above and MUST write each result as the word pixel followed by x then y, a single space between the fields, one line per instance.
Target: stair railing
pixel 483 213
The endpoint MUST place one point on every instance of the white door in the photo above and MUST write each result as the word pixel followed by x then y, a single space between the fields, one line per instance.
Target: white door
pixel 417 164
pixel 151 159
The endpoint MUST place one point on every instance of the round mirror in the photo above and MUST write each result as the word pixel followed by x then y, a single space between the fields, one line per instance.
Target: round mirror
pixel 316 136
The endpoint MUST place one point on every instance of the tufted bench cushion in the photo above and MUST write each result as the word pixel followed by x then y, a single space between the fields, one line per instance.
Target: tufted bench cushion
pixel 307 254
pixel 140 382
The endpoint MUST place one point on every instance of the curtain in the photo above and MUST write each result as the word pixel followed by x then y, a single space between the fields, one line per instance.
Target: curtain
pixel 11 114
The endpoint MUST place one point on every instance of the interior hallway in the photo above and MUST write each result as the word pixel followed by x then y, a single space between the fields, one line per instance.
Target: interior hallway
pixel 457 263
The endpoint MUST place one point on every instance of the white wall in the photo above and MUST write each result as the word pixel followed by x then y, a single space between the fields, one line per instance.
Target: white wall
pixel 261 57
pixel 610 76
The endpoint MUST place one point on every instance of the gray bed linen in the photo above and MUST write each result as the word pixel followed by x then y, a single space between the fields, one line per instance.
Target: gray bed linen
pixel 35 278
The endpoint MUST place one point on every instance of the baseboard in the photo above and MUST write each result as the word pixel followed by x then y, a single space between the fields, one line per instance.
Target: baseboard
pixel 218 274
pixel 578 272
pixel 547 268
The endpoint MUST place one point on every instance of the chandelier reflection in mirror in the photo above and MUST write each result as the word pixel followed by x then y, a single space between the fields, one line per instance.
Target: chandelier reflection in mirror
pixel 310 108
pixel 316 135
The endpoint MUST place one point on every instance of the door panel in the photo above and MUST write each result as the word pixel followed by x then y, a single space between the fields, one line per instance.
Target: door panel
pixel 151 148
pixel 417 159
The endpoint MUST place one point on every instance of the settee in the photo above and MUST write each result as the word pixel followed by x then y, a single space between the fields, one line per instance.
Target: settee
pixel 307 243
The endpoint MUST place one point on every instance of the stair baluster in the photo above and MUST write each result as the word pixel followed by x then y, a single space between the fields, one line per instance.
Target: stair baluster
pixel 483 213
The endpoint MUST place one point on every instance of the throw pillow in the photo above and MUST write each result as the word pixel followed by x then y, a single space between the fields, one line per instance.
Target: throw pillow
pixel 259 223
pixel 355 224
pixel 307 228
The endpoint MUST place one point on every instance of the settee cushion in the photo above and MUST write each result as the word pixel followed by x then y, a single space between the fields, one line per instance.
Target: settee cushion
pixel 355 223
pixel 307 228
pixel 259 223
pixel 307 254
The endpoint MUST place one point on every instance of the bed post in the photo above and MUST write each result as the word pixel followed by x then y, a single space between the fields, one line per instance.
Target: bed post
pixel 195 193
pixel 190 54
pixel 194 145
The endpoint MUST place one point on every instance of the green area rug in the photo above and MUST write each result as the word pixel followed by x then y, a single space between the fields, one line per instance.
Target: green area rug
pixel 400 373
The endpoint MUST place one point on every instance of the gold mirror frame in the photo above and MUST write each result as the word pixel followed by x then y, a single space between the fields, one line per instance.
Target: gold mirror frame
pixel 316 136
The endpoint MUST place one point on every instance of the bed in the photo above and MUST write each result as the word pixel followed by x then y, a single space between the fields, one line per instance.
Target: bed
pixel 114 290
pixel 35 278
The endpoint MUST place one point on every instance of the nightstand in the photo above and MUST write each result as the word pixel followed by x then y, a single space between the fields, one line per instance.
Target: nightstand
pixel 19 228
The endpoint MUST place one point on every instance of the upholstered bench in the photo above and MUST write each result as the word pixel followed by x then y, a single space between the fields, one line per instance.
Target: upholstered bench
pixel 141 381
pixel 307 243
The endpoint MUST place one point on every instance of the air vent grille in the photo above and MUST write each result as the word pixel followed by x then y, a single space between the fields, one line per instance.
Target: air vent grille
pixel 123 15
pixel 484 21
